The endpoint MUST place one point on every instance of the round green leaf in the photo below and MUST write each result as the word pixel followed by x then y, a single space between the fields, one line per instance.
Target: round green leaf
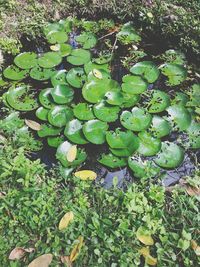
pixel 58 116
pixel 159 102
pixel 136 120
pixel 128 34
pixel 41 74
pixel 171 156
pixel 76 77
pixel 59 78
pixel 73 131
pixel 63 49
pixel 160 127
pixel 95 131
pixel 48 130
pixel 87 40
pixel 180 99
pixel 130 100
pixel 26 60
pixel 88 67
pixel 194 135
pixel 175 73
pixel 79 57
pixel 21 99
pixel 147 69
pixel 106 112
pixel 148 145
pixel 14 73
pixel 62 94
pixel 55 141
pixel 46 99
pixel 134 84
pixel 114 98
pixel 42 113
pixel 99 75
pixel 180 116
pixel 49 60
pixel 59 37
pixel 137 166
pixel 83 111
pixel 112 161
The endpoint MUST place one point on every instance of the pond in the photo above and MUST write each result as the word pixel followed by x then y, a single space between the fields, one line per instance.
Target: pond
pixel 100 100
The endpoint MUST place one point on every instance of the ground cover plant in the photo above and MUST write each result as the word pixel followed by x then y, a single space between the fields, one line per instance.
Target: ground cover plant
pixel 70 96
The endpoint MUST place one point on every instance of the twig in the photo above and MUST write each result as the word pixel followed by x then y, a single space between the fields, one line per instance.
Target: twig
pixel 108 34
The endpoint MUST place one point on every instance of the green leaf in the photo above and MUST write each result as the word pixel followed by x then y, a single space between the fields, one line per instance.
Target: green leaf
pixel 106 112
pixel 160 127
pixel 159 102
pixel 130 100
pixel 59 78
pixel 49 60
pixel 99 75
pixel 175 73
pixel 55 141
pixel 73 131
pixel 180 116
pixel 58 116
pixel 136 120
pixel 83 111
pixel 41 74
pixel 147 69
pixel 14 73
pixel 128 34
pixel 76 77
pixel 79 57
pixel 48 130
pixel 148 145
pixel 87 40
pixel 193 132
pixel 57 37
pixel 95 131
pixel 171 156
pixel 62 94
pixel 88 67
pixel 42 113
pixel 112 161
pixel 133 84
pixel 26 60
pixel 63 49
pixel 46 98
pixel 114 98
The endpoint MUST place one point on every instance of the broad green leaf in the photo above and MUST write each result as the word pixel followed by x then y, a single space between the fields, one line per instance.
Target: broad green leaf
pixel 14 73
pixel 160 127
pixel 148 145
pixel 48 130
pixel 175 73
pixel 41 74
pixel 49 60
pixel 73 131
pixel 63 49
pixel 76 77
pixel 58 116
pixel 159 102
pixel 193 132
pixel 46 99
pixel 106 112
pixel 95 131
pixel 55 141
pixel 42 113
pixel 133 84
pixel 26 60
pixel 114 98
pixel 87 40
pixel 88 67
pixel 62 94
pixel 179 115
pixel 59 78
pixel 112 161
pixel 79 57
pixel 83 111
pixel 57 37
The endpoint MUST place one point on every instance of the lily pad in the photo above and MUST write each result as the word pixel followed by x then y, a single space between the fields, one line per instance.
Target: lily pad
pixel 148 145
pixel 106 112
pixel 160 127
pixel 136 120
pixel 59 78
pixel 79 57
pixel 76 77
pixel 83 111
pixel 42 113
pixel 159 102
pixel 180 99
pixel 49 60
pixel 171 156
pixel 180 116
pixel 48 130
pixel 88 67
pixel 112 161
pixel 194 95
pixel 193 132
pixel 55 141
pixel 114 98
pixel 14 73
pixel 87 40
pixel 61 155
pixel 57 37
pixel 130 100
pixel 63 49
pixel 73 131
pixel 175 73
pixel 58 116
pixel 133 84
pixel 99 75
pixel 41 74
pixel 128 34
pixel 95 131
pixel 62 94
pixel 26 60
pixel 21 99
pixel 147 69
pixel 46 99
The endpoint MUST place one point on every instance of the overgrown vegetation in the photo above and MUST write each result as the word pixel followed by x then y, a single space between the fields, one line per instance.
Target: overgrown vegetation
pixel 34 200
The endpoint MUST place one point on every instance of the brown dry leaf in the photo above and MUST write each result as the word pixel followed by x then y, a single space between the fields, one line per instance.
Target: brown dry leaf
pixel 72 153
pixel 76 249
pixel 66 219
pixel 19 252
pixel 33 125
pixel 195 247
pixel 42 261
pixel 192 191
pixel 151 260
pixel 86 175
pixel 66 261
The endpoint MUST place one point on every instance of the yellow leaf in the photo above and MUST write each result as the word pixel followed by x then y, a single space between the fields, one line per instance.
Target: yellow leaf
pixel 144 251
pixel 55 47
pixel 19 252
pixel 144 237
pixel 86 175
pixel 66 219
pixel 33 125
pixel 97 74
pixel 195 247
pixel 76 249
pixel 151 260
pixel 42 261
pixel 71 154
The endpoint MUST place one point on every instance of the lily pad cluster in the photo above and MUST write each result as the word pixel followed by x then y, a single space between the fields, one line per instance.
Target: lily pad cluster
pixel 81 103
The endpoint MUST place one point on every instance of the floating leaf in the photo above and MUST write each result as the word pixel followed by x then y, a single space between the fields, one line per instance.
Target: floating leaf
pixel 144 236
pixel 175 73
pixel 87 40
pixel 71 153
pixel 57 37
pixel 128 34
pixel 79 57
pixel 46 98
pixel 14 73
pixel 159 102
pixel 88 67
pixel 130 100
pixel 49 60
pixel 148 145
pixel 99 75
pixel 55 141
pixel 73 131
pixel 66 219
pixel 41 74
pixel 86 175
pixel 193 132
pixel 76 77
pixel 112 161
pixel 33 125
pixel 63 49
pixel 42 261
pixel 95 131
pixel 62 94
pixel 58 116
pixel 180 116
pixel 160 127
pixel 83 111
pixel 48 130
pixel 19 252
pixel 42 113
pixel 180 99
pixel 147 69
pixel 114 98
pixel 26 60
pixel 136 120
pixel 59 78
pixel 133 84
pixel 106 112
pixel 170 156
pixel 76 249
